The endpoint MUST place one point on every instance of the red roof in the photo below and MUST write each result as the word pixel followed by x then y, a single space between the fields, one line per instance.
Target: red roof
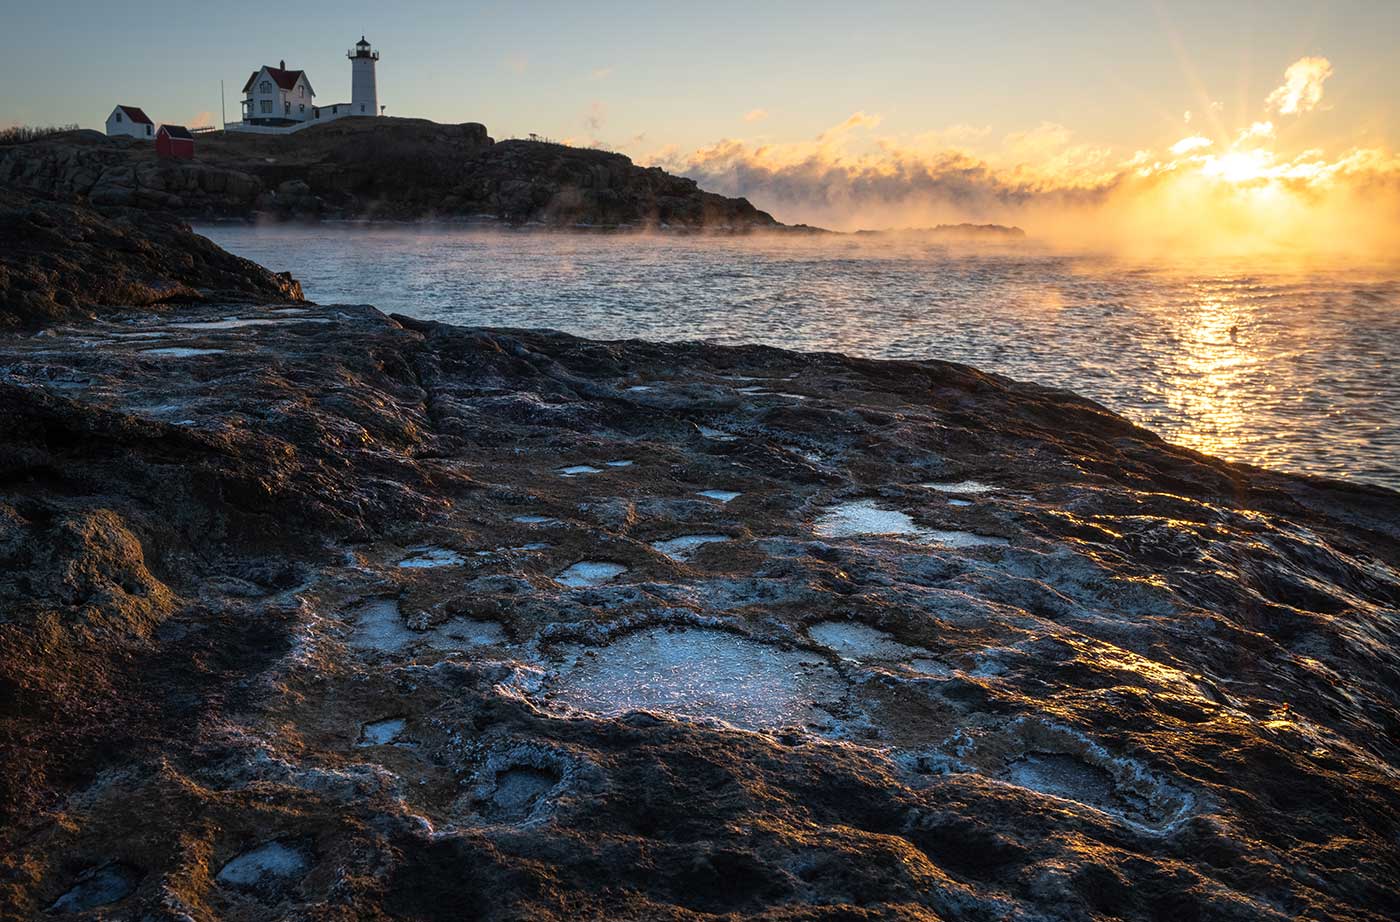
pixel 176 132
pixel 286 79
pixel 136 115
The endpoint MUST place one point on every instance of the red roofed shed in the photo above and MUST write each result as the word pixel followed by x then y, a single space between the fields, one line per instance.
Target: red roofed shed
pixel 175 141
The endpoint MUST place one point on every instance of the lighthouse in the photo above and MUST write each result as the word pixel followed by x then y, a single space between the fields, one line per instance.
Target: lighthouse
pixel 364 96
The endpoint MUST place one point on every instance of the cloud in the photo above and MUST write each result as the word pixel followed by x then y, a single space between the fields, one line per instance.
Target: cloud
pixel 755 115
pixel 600 73
pixel 1186 145
pixel 857 120
pixel 1190 197
pixel 201 120
pixel 1302 87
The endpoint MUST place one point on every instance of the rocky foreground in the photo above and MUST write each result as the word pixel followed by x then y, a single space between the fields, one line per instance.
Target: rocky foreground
pixel 308 612
pixel 374 169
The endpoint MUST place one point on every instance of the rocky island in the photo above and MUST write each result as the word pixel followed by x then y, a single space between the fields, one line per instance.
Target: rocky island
pixel 307 611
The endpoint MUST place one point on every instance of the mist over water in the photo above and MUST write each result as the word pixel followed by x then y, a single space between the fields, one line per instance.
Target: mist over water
pixel 1270 363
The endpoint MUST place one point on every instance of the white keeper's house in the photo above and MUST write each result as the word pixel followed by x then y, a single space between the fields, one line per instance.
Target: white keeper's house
pixel 280 101
pixel 131 122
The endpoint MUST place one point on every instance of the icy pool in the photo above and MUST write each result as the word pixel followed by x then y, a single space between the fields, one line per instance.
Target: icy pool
pixel 961 486
pixel 425 557
pixel 578 469
pixel 180 352
pixel 864 518
pixel 722 496
pixel 590 573
pixel 684 547
pixel 701 673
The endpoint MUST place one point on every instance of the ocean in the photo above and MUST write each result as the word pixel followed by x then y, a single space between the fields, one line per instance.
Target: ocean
pixel 1267 362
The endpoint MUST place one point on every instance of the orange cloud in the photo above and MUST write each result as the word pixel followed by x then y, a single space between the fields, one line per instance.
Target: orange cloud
pixel 1302 87
pixel 755 115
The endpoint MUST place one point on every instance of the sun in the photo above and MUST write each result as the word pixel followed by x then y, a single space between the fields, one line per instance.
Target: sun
pixel 1239 166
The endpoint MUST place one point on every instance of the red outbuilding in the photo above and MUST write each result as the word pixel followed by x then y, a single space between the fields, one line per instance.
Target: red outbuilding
pixel 175 141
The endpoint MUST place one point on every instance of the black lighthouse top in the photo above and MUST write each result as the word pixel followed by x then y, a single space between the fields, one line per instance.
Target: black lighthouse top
pixel 362 50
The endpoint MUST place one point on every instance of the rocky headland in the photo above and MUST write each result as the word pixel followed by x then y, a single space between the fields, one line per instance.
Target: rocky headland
pixel 375 169
pixel 307 611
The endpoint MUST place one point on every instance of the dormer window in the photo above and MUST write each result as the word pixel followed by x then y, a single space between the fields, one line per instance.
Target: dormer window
pixel 265 87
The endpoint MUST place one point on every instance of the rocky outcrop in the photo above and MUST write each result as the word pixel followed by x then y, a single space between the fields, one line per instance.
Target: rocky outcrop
pixel 318 613
pixel 385 168
pixel 61 261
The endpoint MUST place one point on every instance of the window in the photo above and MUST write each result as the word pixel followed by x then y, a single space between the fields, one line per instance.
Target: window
pixel 301 108
pixel 286 108
pixel 267 106
pixel 148 129
pixel 362 107
pixel 264 87
pixel 119 116
pixel 301 91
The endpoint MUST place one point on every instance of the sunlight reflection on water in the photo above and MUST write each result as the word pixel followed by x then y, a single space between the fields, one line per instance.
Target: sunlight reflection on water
pixel 1271 365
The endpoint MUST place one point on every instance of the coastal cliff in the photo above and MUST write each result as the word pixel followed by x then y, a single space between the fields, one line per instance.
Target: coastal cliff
pixel 378 169
pixel 311 612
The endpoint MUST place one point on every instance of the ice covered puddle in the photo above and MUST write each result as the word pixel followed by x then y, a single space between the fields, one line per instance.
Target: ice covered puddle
pixel 98 887
pixel 180 352
pixel 272 863
pixel 684 547
pixel 700 673
pixel 961 486
pixel 590 573
pixel 381 732
pixel 722 496
pixel 861 643
pixel 424 557
pixel 535 520
pixel 379 628
pixel 864 518
pixel 234 323
pixel 577 469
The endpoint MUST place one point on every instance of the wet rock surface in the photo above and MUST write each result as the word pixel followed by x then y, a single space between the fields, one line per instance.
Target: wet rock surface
pixel 283 634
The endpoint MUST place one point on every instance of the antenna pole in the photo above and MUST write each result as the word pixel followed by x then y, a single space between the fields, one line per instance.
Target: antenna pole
pixel 223 107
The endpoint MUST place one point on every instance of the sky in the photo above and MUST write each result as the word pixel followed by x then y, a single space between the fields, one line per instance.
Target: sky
pixel 847 114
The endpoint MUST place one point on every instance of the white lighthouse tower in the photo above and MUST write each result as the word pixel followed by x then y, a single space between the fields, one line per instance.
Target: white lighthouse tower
pixel 364 96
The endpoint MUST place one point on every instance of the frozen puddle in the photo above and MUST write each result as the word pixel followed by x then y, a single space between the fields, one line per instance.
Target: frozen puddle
pixel 701 673
pixel 717 435
pixel 233 323
pixel 381 732
pixel 722 496
pixel 380 628
pixel 518 791
pixel 961 486
pixel 618 463
pixel 684 547
pixel 578 469
pixel 272 863
pixel 590 573
pixel 861 643
pixel 864 518
pixel 424 557
pixel 180 352
pixel 98 887
pixel 535 520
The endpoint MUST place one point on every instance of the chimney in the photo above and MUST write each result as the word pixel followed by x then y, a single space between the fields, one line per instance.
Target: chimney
pixel 282 65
